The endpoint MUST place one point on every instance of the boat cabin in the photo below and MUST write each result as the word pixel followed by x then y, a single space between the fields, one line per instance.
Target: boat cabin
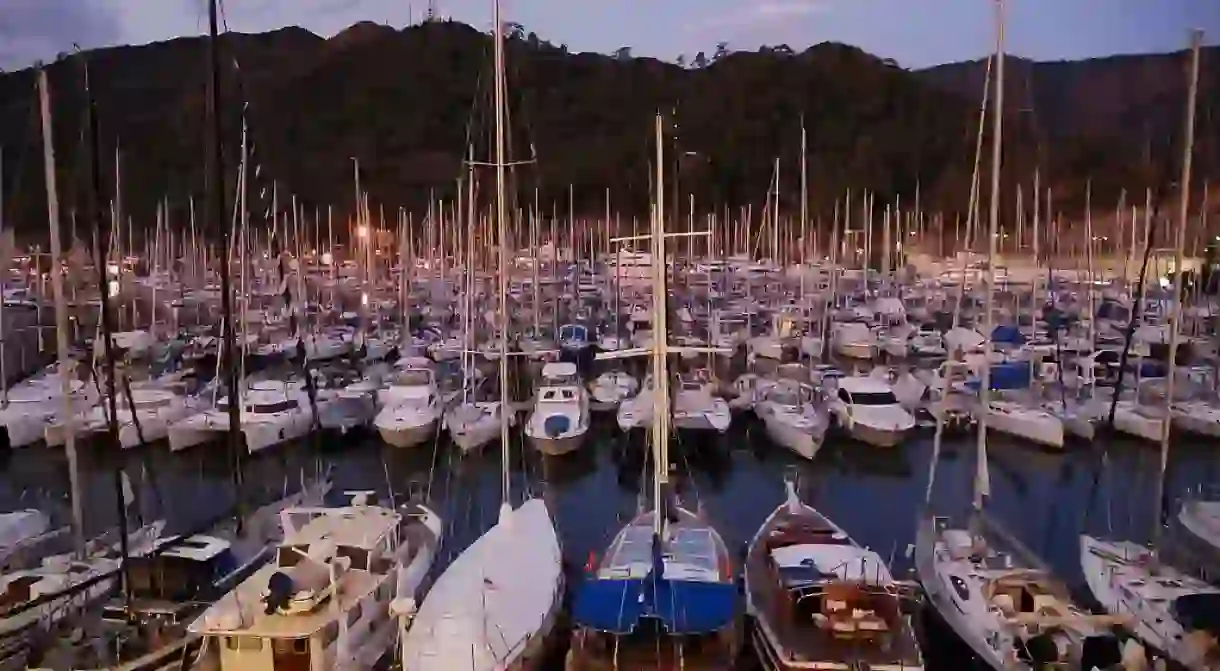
pixel 331 578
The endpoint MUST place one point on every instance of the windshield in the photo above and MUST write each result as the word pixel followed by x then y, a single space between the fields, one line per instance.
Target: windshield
pixel 874 398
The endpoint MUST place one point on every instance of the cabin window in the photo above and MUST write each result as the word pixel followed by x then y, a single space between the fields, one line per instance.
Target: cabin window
pixel 244 643
pixel 959 586
pixel 330 634
pixel 290 646
pixel 358 556
pixel 270 408
pixel 290 555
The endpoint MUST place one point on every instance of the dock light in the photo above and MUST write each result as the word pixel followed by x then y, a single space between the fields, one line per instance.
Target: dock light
pixel 112 269
pixel 114 288
pixel 364 298
pixel 327 258
pixel 362 231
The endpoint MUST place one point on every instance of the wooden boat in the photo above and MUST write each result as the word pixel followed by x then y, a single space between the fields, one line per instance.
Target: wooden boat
pixel 821 601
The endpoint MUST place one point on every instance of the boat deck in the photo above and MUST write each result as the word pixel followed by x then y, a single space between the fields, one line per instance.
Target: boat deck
pixel 797 626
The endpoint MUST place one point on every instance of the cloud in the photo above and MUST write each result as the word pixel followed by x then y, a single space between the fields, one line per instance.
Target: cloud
pixel 753 16
pixel 33 30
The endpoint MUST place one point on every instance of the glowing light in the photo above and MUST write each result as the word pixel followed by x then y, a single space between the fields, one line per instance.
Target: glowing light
pixel 362 231
pixel 327 258
pixel 364 298
pixel 113 269
pixel 114 288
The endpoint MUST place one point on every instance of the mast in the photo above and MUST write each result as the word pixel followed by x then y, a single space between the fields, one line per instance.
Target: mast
pixel 50 188
pixel 215 172
pixel 982 487
pixel 101 242
pixel 66 365
pixel 660 377
pixel 1196 37
pixel 804 215
pixel 501 266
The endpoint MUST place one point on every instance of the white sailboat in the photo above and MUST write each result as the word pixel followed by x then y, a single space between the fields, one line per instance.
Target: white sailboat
pixel 494 606
pixel 1170 611
pixel 664 595
pixel 794 417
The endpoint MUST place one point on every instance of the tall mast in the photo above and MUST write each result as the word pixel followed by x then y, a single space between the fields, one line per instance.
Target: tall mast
pixel 101 242
pixel 982 487
pixel 66 364
pixel 502 267
pixel 660 376
pixel 215 174
pixel 1196 37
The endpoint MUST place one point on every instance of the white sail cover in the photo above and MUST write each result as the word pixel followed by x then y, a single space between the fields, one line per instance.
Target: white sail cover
pixel 485 608
pixel 20 526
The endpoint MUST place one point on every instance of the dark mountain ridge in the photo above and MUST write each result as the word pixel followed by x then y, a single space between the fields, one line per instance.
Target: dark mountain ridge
pixel 407 103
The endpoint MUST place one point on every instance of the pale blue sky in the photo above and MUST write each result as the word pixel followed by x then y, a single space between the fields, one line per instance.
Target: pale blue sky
pixel 916 33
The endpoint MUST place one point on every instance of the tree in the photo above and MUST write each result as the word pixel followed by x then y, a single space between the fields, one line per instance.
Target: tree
pixel 700 61
pixel 722 50
pixel 563 47
pixel 622 54
pixel 681 60
pixel 532 40
pixel 513 30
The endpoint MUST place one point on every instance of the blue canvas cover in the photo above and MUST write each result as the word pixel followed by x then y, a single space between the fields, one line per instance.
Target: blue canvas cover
pixel 1005 334
pixel 1012 375
pixel 611 606
pixel 683 606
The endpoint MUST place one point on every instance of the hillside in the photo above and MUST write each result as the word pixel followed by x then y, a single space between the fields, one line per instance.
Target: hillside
pixel 1128 108
pixel 408 102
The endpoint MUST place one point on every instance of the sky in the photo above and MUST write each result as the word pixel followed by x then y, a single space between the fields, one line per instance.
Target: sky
pixel 916 33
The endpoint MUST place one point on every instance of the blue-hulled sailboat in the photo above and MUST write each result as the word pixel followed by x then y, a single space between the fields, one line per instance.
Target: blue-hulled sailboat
pixel 664 596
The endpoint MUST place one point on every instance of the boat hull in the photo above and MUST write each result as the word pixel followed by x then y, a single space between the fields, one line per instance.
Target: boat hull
pixel 402 436
pixel 557 446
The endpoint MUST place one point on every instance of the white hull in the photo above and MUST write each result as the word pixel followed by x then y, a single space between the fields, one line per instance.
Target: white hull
pixel 856 350
pixel 1117 574
pixel 480 615
pixel 1036 426
pixel 1129 419
pixel 557 446
pixel 801 442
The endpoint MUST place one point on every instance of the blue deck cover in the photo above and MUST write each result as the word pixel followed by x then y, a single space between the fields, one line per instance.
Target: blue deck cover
pixel 683 606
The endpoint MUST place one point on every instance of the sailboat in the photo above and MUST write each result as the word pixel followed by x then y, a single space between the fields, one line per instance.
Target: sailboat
pixel 495 605
pixel 818 598
pixel 664 595
pixel 1169 610
pixel 999 599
